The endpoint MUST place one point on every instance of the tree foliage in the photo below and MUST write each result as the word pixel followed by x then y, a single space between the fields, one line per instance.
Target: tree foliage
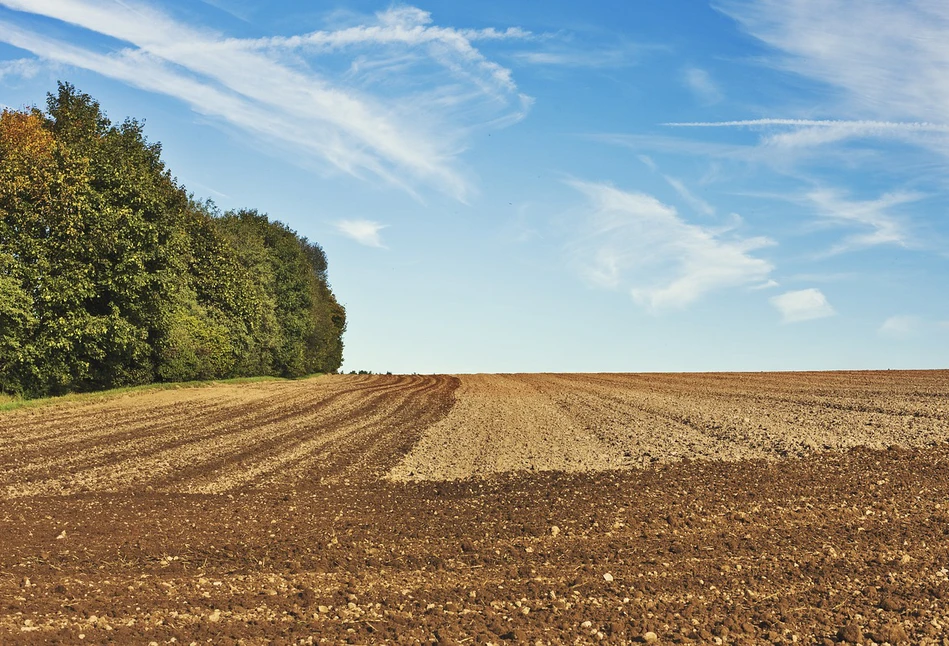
pixel 111 274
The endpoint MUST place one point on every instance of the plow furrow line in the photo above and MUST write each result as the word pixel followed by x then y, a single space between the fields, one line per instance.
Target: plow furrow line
pixel 351 433
pixel 237 436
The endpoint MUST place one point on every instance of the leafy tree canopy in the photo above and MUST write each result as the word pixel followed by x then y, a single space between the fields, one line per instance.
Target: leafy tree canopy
pixel 111 274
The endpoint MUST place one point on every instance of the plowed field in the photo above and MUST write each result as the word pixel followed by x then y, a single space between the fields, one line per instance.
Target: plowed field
pixel 609 508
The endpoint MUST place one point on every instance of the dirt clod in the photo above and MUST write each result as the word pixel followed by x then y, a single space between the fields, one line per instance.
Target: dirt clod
pixel 891 634
pixel 890 604
pixel 851 633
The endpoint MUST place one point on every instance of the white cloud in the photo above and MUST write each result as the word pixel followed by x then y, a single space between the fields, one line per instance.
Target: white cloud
pixel 700 83
pixel 365 232
pixel 632 240
pixel 900 327
pixel 802 305
pixel 884 228
pixel 395 127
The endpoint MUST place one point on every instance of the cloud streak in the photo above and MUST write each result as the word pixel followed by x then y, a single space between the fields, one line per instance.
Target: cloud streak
pixel 407 137
pixel 821 123
pixel 695 202
pixel 412 27
pixel 802 133
pixel 633 241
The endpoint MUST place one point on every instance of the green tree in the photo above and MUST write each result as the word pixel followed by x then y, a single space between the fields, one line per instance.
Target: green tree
pixel 300 320
pixel 111 274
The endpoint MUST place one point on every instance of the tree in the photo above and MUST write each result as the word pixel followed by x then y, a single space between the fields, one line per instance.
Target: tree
pixel 112 274
pixel 299 322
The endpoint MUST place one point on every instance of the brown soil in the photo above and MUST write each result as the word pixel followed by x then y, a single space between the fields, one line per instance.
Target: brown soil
pixel 516 508
pixel 599 422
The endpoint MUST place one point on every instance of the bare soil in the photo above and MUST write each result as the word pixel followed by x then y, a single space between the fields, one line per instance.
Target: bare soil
pixel 600 422
pixel 734 508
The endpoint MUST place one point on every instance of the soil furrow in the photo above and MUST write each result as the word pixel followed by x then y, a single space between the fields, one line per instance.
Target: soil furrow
pixel 284 451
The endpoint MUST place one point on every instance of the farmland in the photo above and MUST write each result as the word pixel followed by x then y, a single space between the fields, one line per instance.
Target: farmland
pixel 600 508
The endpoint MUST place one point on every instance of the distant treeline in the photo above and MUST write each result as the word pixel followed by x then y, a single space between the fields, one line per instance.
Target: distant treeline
pixel 111 274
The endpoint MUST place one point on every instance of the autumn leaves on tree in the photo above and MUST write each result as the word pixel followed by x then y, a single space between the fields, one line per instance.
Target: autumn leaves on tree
pixel 111 274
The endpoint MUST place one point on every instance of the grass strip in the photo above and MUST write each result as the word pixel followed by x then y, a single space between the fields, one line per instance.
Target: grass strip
pixel 9 403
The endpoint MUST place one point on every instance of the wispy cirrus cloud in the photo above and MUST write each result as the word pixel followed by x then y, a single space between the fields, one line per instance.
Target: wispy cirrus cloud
pixel 282 92
pixel 735 152
pixel 696 203
pixel 896 81
pixel 21 67
pixel 583 50
pixel 874 218
pixel 858 126
pixel 872 222
pixel 690 198
pixel 633 241
pixel 891 86
pixel 886 58
pixel 802 305
pixel 365 232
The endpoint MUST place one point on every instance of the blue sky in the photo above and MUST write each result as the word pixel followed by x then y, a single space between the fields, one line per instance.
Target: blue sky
pixel 559 186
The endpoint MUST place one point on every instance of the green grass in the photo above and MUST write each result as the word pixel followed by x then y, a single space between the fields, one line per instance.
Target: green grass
pixel 8 402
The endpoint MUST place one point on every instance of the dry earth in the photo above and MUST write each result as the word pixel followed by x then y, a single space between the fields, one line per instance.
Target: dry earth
pixel 598 422
pixel 707 508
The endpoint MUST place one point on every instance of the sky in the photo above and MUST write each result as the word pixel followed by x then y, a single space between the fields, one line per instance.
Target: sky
pixel 622 185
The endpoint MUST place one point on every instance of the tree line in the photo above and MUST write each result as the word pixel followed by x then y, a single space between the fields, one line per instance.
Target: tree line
pixel 112 274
